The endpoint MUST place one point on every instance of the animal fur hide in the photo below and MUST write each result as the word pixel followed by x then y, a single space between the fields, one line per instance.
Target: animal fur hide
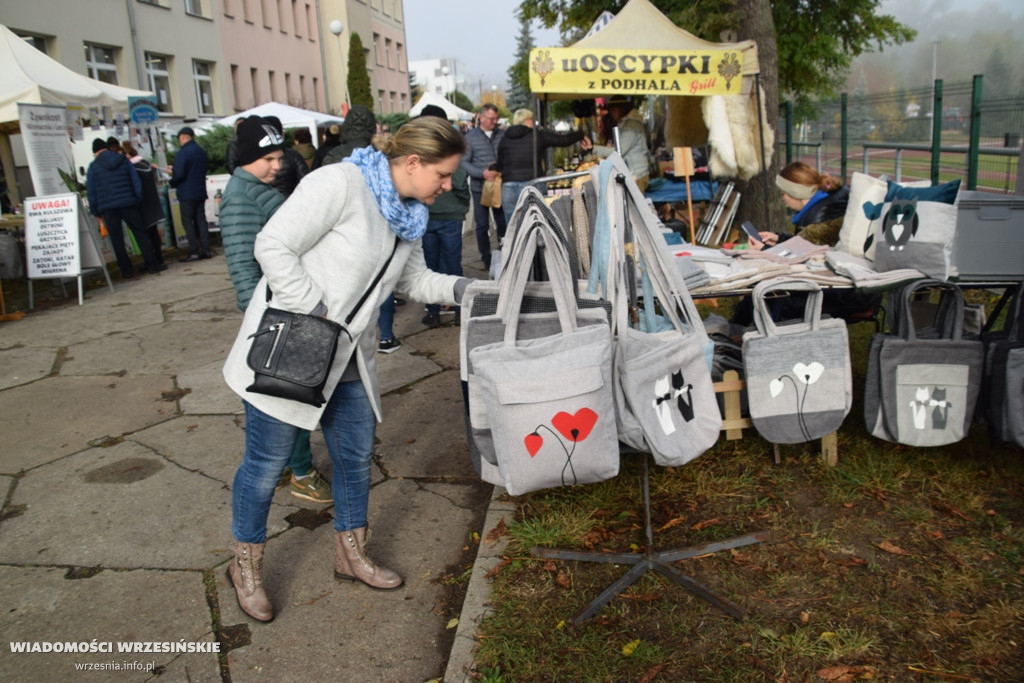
pixel 734 135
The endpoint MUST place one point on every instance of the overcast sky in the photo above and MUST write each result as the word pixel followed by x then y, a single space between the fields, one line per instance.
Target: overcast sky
pixel 481 34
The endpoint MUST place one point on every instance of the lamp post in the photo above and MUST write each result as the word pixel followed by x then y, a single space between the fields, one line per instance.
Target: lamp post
pixel 494 95
pixel 336 27
pixel 451 90
pixel 935 75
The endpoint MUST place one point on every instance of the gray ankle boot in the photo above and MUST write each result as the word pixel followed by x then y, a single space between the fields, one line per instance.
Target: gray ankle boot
pixel 245 574
pixel 352 564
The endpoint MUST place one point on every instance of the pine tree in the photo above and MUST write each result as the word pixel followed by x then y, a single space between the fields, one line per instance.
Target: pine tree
pixel 358 79
pixel 519 95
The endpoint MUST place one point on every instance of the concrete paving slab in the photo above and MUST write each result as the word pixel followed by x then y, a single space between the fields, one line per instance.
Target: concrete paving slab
pixel 403 367
pixel 361 632
pixel 164 349
pixel 54 417
pixel 42 606
pixel 69 325
pixel 21 365
pixel 214 304
pixel 422 434
pixel 209 445
pixel 131 508
pixel 208 393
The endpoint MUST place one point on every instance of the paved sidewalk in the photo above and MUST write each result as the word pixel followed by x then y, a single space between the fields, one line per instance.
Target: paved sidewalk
pixel 119 446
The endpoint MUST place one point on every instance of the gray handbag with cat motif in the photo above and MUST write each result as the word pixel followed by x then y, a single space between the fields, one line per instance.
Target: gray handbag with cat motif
pixel 922 384
pixel 799 383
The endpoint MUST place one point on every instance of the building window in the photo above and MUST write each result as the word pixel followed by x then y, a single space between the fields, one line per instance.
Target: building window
pixel 158 74
pixel 229 6
pixel 398 12
pixel 101 64
pixel 203 74
pixel 302 90
pixel 399 58
pixel 280 17
pixel 309 22
pixel 387 52
pixel 246 11
pixel 387 7
pixel 376 49
pixel 236 90
pixel 380 100
pixel 296 19
pixel 266 13
pixel 158 3
pixel 37 42
pixel 254 83
pixel 198 8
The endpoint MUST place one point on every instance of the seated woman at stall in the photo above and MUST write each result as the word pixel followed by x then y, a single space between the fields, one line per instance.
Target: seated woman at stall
pixel 819 201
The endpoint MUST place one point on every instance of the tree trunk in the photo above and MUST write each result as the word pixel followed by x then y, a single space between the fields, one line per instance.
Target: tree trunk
pixel 757 25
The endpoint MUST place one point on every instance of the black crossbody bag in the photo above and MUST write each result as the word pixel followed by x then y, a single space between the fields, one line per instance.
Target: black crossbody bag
pixel 292 353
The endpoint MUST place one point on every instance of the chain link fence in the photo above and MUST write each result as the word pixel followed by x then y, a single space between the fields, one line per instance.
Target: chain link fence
pixel 893 134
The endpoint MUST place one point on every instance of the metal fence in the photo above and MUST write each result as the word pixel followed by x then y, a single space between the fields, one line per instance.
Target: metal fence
pixel 940 133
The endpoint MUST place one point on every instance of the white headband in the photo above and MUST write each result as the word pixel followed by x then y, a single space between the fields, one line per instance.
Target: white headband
pixel 795 190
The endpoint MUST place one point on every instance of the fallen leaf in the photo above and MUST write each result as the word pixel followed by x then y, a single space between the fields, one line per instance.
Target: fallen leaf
pixel 561 624
pixel 706 523
pixel 851 561
pixel 630 647
pixel 497 568
pixel 845 674
pixel 675 521
pixel 943 506
pixel 549 566
pixel 805 618
pixel 640 597
pixel 499 530
pixel 452 623
pixel 651 673
pixel 562 580
pixel 893 549
pixel 935 533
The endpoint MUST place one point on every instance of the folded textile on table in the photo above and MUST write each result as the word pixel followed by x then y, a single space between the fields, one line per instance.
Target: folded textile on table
pixel 863 274
pixel 794 250
pixel 739 274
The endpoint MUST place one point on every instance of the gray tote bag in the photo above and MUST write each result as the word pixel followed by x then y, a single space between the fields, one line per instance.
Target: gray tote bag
pixel 548 400
pixel 799 382
pixel 1003 384
pixel 664 395
pixel 483 325
pixel 922 384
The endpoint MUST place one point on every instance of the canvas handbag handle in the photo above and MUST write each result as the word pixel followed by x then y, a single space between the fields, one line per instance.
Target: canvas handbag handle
pixel 513 289
pixel 951 327
pixel 812 308
pixel 532 207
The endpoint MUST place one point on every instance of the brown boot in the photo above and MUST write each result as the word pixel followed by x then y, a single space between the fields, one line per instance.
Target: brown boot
pixel 352 564
pixel 245 574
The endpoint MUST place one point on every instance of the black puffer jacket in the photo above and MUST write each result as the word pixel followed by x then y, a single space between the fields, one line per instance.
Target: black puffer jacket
pixel 826 208
pixel 293 169
pixel 515 151
pixel 357 131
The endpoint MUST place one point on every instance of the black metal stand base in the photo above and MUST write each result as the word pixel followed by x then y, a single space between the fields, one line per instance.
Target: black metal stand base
pixel 656 561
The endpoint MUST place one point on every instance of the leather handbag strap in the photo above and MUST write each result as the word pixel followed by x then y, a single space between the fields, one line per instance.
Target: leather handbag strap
pixel 362 299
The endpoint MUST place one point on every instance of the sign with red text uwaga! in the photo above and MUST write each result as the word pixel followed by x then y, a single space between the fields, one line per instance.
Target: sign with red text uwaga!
pixel 635 72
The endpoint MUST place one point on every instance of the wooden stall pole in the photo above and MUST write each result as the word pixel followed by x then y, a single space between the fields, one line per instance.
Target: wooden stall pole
pixel 682 161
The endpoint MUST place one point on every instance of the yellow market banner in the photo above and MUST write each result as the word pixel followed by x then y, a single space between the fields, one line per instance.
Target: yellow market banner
pixel 635 72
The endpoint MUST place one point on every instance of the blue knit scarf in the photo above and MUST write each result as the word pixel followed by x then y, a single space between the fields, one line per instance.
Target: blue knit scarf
pixel 407 218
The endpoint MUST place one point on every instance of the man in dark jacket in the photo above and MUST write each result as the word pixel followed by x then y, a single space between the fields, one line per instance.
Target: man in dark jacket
pixel 115 193
pixel 293 166
pixel 516 155
pixel 188 177
pixel 331 140
pixel 357 131
pixel 480 162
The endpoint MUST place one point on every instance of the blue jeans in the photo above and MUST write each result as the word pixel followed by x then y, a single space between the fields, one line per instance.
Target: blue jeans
pixel 442 250
pixel 349 426
pixel 509 196
pixel 481 218
pixel 386 319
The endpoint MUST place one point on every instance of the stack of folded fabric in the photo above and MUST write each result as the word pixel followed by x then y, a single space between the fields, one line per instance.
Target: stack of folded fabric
pixel 863 274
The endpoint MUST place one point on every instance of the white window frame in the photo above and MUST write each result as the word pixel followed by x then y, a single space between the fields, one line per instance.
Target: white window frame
pixel 200 80
pixel 100 69
pixel 154 75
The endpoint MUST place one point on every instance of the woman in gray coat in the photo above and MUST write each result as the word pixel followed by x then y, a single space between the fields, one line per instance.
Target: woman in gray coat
pixel 345 223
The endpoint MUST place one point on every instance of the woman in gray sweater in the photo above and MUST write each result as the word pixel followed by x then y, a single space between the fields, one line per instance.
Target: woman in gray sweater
pixel 345 223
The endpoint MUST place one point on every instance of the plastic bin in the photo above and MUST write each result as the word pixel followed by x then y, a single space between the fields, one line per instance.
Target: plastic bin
pixel 989 242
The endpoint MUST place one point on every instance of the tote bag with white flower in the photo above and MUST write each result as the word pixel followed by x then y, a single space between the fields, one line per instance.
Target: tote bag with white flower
pixel 799 383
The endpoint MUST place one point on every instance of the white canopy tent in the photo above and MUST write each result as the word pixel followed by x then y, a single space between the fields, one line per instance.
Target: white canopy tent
pixel 28 76
pixel 454 113
pixel 291 117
